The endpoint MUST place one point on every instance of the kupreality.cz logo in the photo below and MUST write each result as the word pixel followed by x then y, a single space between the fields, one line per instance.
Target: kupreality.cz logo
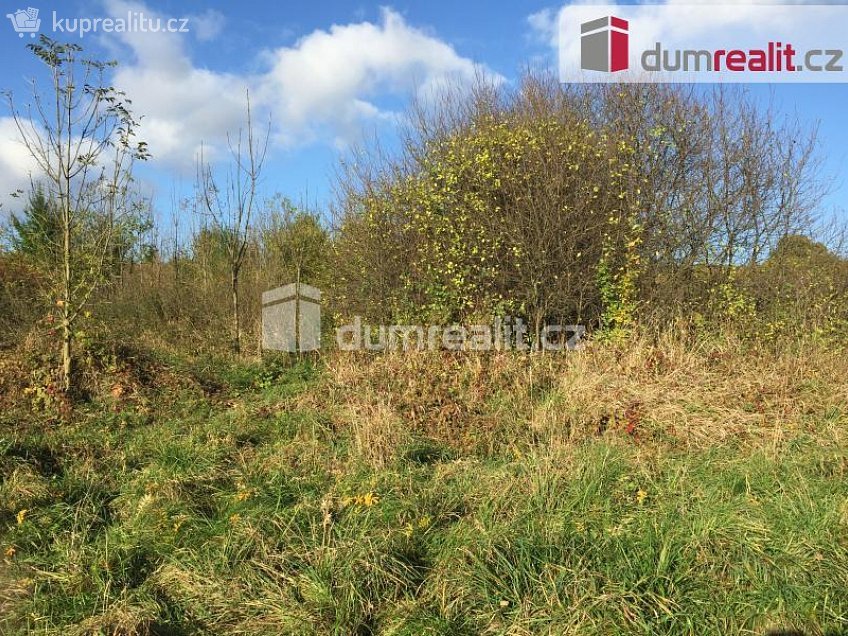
pixel 702 43
pixel 28 22
pixel 25 21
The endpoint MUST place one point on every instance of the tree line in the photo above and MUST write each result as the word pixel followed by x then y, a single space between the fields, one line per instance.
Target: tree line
pixel 618 207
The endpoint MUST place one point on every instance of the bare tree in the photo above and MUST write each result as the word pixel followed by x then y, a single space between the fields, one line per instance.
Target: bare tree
pixel 724 179
pixel 230 199
pixel 81 135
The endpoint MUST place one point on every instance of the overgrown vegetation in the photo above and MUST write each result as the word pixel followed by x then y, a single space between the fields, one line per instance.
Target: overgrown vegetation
pixel 683 473
pixel 598 493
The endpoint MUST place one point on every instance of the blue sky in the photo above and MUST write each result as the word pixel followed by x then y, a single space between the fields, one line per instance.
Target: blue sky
pixel 327 72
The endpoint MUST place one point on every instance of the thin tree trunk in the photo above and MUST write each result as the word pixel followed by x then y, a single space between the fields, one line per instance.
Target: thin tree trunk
pixel 537 330
pixel 235 308
pixel 67 368
pixel 67 335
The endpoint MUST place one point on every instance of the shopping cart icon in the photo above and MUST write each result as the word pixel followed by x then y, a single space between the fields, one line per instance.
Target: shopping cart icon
pixel 25 21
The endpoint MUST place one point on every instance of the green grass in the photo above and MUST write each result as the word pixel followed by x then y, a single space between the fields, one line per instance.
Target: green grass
pixel 251 513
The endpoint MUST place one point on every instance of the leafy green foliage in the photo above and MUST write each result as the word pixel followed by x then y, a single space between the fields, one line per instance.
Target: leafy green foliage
pixel 505 216
pixel 37 232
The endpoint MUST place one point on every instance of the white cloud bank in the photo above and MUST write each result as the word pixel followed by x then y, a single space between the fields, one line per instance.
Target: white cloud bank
pixel 326 88
pixel 329 77
pixel 16 165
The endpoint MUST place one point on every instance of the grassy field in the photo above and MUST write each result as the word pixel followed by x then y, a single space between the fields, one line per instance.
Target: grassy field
pixel 657 490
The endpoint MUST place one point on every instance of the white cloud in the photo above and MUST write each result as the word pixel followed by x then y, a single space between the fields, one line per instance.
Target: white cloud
pixel 326 87
pixel 333 77
pixel 544 26
pixel 16 166
pixel 208 25
pixel 181 105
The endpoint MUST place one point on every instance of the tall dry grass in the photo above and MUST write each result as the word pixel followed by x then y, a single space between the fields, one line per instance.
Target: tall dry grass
pixel 672 390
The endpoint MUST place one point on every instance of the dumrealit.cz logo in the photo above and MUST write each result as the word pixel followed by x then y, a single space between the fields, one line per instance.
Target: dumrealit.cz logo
pixel 604 45
pixel 27 21
pixel 291 323
pixel 291 318
pixel 699 43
